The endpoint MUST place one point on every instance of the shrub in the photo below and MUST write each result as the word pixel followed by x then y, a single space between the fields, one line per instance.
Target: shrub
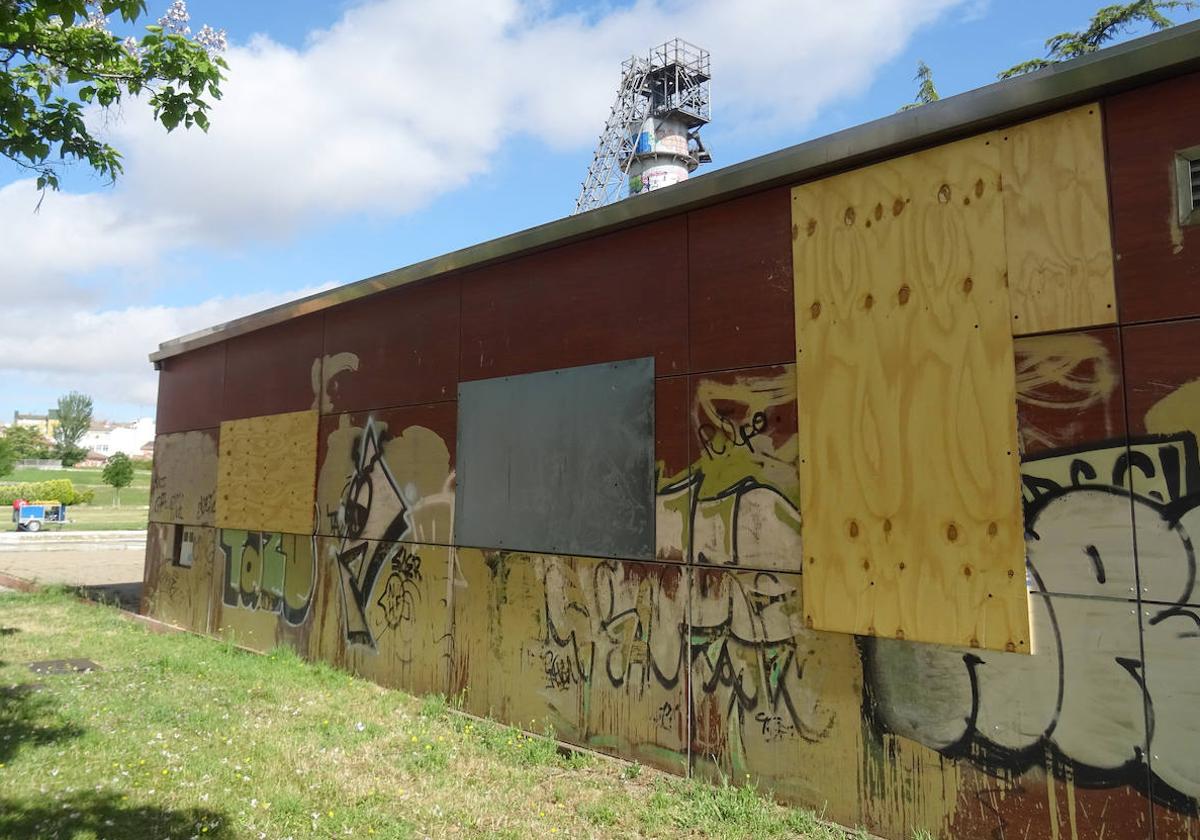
pixel 58 490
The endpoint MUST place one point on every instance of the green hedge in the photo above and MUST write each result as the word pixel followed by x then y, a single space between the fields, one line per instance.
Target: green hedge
pixel 58 490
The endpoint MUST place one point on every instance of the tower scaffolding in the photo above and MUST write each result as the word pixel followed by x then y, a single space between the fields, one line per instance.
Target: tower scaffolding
pixel 652 132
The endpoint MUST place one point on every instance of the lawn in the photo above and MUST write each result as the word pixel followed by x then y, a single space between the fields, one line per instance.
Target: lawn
pixel 182 736
pixel 100 515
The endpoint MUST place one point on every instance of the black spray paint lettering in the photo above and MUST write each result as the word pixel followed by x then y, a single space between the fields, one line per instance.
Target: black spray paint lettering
pixel 716 439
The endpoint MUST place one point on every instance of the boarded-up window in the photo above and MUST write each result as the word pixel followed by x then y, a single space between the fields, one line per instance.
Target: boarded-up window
pixel 909 484
pixel 560 461
pixel 267 472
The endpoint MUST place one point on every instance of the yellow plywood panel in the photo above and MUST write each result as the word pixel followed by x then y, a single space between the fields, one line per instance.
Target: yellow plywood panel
pixel 267 473
pixel 909 483
pixel 1060 260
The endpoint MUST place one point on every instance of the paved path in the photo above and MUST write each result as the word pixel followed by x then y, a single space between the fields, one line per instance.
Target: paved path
pixel 52 540
pixel 107 574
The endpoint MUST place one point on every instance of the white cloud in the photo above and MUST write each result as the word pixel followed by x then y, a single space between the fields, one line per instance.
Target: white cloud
pixel 403 100
pixel 398 102
pixel 71 234
pixel 104 352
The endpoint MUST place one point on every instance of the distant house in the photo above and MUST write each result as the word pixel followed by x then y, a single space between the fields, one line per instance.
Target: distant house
pixel 106 438
pixel 44 423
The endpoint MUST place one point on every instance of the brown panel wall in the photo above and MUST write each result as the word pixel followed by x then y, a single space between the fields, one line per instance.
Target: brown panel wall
pixel 1071 420
pixel 1158 262
pixel 618 296
pixel 739 281
pixel 711 669
pixel 190 390
pixel 274 370
pixel 395 348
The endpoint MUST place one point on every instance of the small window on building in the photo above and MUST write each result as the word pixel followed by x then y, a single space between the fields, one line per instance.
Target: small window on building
pixel 184 540
pixel 1187 183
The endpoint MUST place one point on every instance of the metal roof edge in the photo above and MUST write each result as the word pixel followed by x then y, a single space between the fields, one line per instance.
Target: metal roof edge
pixel 1143 60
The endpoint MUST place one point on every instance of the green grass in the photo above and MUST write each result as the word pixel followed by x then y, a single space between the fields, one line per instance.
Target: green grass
pixel 100 515
pixel 183 736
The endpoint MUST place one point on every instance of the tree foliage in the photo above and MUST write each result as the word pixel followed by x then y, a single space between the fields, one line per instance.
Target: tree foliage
pixel 7 456
pixel 926 90
pixel 27 442
pixel 57 57
pixel 74 419
pixel 1108 23
pixel 117 473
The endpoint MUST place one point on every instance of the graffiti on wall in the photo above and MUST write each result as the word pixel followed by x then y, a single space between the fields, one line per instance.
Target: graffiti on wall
pixel 184 486
pixel 758 676
pixel 738 503
pixel 269 572
pixel 1111 690
pixel 378 491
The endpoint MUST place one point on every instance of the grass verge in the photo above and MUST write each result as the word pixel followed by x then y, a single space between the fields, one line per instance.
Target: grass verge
pixel 180 736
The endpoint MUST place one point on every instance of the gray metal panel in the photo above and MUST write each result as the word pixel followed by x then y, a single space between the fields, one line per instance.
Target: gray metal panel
pixel 1171 52
pixel 560 461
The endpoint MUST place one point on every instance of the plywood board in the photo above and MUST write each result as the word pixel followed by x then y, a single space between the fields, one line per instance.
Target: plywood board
pixel 184 487
pixel 909 479
pixel 267 473
pixel 1060 260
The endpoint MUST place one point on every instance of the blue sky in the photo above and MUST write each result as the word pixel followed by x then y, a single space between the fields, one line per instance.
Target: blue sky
pixel 360 137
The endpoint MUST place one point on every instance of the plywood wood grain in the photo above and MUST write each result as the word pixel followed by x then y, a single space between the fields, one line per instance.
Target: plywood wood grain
pixel 267 473
pixel 909 478
pixel 1056 228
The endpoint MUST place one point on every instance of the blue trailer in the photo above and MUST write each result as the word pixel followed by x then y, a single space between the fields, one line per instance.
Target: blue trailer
pixel 32 516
